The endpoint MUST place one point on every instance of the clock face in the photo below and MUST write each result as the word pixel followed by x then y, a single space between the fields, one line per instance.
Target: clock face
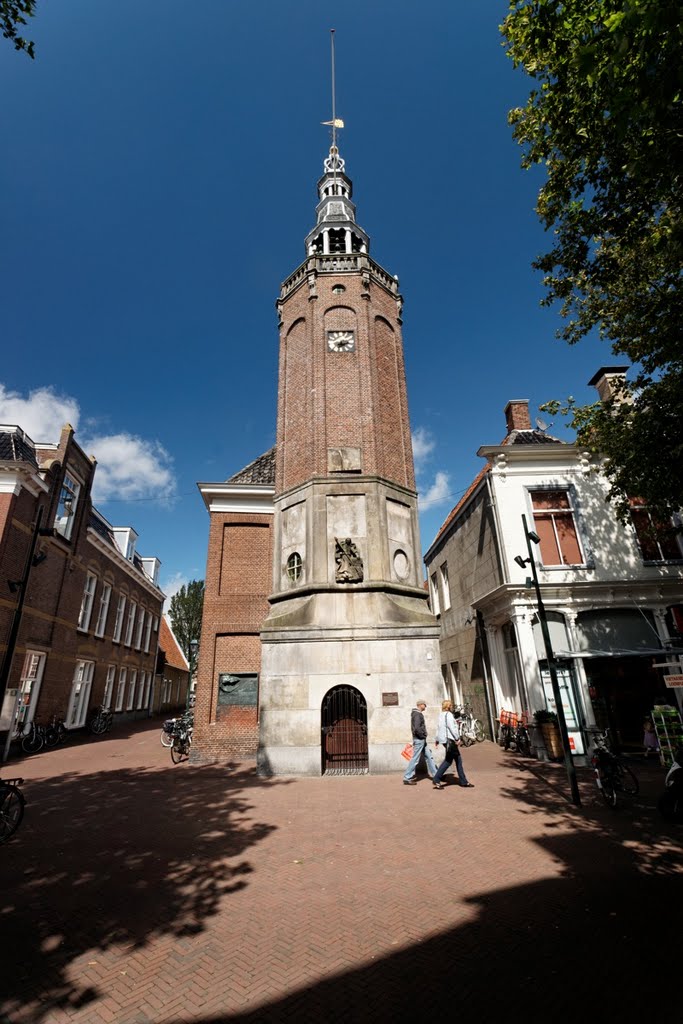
pixel 341 341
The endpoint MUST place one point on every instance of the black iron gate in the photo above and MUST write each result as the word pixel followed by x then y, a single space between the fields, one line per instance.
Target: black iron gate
pixel 344 715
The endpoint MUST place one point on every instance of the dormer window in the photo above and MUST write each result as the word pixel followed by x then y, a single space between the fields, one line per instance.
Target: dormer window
pixel 66 509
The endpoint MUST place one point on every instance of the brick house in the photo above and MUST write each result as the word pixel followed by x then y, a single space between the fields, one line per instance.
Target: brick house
pixel 172 679
pixel 613 593
pixel 238 580
pixel 86 604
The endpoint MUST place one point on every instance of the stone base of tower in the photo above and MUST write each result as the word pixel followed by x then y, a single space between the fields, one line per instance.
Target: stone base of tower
pixel 303 670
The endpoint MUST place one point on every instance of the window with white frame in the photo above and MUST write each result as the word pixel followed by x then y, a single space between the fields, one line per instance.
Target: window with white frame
pixel 29 689
pixel 120 690
pixel 138 632
pixel 445 589
pixel 80 694
pixel 434 592
pixel 141 691
pixel 87 601
pixel 66 509
pixel 148 687
pixel 166 691
pixel 658 541
pixel 130 703
pixel 148 631
pixel 118 624
pixel 109 686
pixel 132 607
pixel 555 524
pixel 105 597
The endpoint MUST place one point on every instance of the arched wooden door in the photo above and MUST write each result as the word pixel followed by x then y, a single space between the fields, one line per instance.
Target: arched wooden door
pixel 344 718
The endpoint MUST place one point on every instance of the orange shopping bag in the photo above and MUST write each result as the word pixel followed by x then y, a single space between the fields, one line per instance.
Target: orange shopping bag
pixel 407 751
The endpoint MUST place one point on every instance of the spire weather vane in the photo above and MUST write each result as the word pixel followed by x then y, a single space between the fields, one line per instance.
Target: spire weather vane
pixel 334 162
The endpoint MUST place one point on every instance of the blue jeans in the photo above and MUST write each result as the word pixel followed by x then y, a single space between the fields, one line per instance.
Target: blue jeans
pixel 418 747
pixel 452 754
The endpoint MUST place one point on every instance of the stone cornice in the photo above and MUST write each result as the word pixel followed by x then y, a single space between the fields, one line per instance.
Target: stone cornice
pixel 227 497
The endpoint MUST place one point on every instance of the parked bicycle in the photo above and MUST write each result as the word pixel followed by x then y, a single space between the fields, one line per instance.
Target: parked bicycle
pixel 514 730
pixel 12 802
pixel 55 732
pixel 471 729
pixel 101 721
pixel 612 775
pixel 170 726
pixel 182 741
pixel 33 739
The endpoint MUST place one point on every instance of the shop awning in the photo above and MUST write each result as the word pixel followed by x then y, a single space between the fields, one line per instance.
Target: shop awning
pixel 620 652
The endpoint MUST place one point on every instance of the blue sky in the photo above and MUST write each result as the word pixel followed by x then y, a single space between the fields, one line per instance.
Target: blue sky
pixel 158 180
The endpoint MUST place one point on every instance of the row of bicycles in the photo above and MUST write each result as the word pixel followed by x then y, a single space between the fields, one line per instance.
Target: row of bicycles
pixel 176 734
pixel 613 776
pixel 471 729
pixel 38 736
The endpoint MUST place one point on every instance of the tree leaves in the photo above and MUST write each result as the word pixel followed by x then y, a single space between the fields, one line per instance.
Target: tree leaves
pixel 185 612
pixel 606 123
pixel 12 15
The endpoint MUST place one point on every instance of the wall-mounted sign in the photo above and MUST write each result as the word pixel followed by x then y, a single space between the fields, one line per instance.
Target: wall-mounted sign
pixel 389 700
pixel 238 688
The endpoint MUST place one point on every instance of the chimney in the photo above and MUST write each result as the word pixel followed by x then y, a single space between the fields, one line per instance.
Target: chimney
pixel 517 414
pixel 607 381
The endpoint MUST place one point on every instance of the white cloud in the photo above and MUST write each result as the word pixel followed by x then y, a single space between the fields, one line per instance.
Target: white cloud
pixel 172 585
pixel 128 467
pixel 438 493
pixel 423 446
pixel 42 415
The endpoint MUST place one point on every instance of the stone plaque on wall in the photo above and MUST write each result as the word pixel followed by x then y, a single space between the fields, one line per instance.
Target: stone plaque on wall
pixel 389 700
pixel 239 688
pixel 343 460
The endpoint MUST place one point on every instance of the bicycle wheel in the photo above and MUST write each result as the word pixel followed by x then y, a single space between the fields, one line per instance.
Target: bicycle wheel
pixel 179 752
pixel 166 738
pixel 523 742
pixel 479 733
pixel 98 725
pixel 627 779
pixel 608 790
pixel 51 736
pixel 11 811
pixel 466 736
pixel 32 743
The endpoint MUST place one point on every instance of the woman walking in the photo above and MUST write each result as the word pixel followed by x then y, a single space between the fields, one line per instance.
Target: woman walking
pixel 448 733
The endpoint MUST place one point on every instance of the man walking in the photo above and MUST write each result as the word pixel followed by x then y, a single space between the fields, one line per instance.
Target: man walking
pixel 419 730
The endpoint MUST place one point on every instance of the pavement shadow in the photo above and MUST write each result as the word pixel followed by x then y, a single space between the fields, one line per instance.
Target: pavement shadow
pixel 603 938
pixel 132 855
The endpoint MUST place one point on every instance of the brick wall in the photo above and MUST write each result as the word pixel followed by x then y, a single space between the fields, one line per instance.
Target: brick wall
pixel 55 592
pixel 338 399
pixel 237 583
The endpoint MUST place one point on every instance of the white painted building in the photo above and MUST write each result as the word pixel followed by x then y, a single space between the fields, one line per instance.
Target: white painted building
pixel 613 593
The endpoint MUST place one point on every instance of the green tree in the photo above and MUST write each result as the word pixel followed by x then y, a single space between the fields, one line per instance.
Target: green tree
pixel 604 119
pixel 185 613
pixel 13 14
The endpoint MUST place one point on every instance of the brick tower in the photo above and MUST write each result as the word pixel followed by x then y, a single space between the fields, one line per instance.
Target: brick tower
pixel 349 642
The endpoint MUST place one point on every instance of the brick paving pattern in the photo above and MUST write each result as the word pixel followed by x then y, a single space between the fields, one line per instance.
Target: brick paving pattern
pixel 139 892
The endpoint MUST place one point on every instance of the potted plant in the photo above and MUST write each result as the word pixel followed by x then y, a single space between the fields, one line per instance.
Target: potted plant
pixel 547 722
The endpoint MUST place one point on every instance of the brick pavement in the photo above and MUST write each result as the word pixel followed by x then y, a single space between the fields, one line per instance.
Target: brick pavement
pixel 139 892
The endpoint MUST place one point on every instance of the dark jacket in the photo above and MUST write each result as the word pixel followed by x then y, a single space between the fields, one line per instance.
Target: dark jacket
pixel 417 724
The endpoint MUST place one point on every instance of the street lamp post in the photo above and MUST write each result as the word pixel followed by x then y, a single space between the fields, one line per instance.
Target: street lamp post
pixel 550 657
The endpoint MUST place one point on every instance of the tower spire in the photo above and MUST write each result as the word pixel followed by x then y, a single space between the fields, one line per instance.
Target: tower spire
pixel 336 230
